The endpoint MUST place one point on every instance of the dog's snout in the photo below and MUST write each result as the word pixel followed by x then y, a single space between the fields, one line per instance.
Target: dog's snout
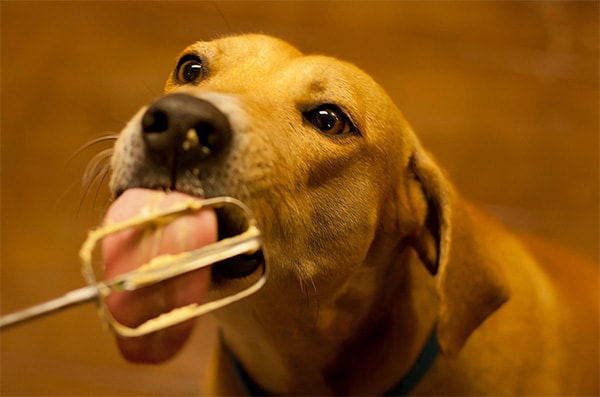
pixel 179 124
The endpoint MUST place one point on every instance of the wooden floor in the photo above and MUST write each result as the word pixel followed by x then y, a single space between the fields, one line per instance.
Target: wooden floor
pixel 504 93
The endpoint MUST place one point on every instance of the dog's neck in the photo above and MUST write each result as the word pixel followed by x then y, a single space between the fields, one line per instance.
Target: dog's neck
pixel 343 346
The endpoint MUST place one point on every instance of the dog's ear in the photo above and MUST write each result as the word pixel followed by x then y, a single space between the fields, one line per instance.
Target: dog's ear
pixel 470 284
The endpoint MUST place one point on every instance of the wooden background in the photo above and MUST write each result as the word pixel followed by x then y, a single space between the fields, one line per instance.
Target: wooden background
pixel 504 93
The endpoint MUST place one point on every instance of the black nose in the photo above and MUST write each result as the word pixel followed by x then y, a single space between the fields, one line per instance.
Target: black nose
pixel 181 128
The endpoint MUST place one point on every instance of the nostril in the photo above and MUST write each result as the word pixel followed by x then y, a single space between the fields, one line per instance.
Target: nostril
pixel 210 137
pixel 159 133
pixel 155 120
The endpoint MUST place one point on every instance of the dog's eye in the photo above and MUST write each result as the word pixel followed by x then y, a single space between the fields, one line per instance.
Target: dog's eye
pixel 330 120
pixel 190 70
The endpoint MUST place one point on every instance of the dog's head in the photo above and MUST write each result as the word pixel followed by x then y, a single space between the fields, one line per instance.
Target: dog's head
pixel 323 158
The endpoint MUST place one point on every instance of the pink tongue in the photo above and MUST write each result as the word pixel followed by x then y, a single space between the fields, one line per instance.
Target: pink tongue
pixel 127 250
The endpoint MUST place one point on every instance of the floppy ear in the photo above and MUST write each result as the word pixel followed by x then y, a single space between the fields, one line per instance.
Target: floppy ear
pixel 470 284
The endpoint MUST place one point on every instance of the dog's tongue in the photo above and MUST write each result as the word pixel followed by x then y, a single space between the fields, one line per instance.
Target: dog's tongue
pixel 127 250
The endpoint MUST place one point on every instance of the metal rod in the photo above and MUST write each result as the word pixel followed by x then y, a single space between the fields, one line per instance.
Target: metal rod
pixel 70 299
pixel 248 242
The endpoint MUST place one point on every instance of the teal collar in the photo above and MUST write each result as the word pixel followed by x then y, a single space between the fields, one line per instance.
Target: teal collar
pixel 420 367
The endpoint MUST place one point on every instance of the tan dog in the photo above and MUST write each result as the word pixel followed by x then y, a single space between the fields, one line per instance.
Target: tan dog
pixel 370 246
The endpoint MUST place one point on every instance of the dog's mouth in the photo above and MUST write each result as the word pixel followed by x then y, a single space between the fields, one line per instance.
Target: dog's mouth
pixel 127 250
pixel 230 222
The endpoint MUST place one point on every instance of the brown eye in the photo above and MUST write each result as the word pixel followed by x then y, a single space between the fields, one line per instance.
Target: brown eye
pixel 330 120
pixel 190 70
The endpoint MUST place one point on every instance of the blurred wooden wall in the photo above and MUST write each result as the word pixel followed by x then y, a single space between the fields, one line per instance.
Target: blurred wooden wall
pixel 504 93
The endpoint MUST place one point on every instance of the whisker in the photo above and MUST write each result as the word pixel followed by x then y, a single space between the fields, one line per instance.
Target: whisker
pixel 97 162
pixel 109 137
pixel 87 188
pixel 304 291
pixel 95 173
pixel 307 294
pixel 317 312
pixel 105 172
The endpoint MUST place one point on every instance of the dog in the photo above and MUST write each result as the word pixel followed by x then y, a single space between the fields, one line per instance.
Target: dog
pixel 383 279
